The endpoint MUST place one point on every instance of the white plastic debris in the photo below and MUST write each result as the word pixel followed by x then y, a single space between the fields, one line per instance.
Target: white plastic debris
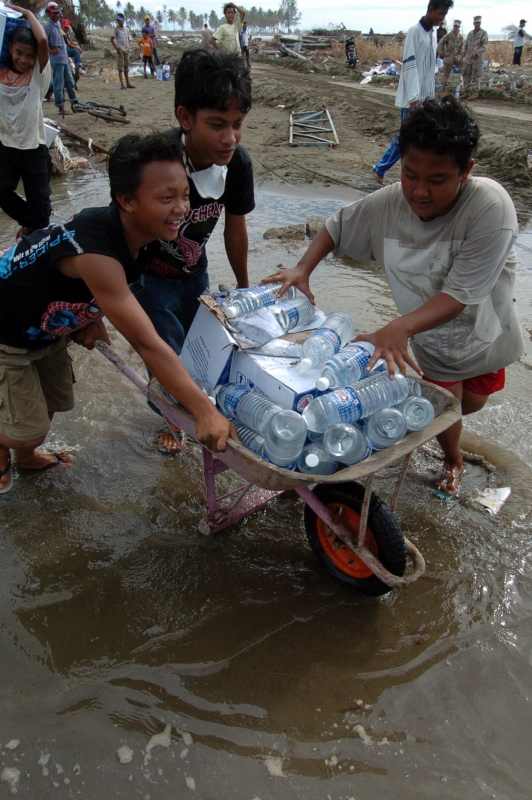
pixel 125 754
pixel 163 739
pixel 493 499
pixel 12 744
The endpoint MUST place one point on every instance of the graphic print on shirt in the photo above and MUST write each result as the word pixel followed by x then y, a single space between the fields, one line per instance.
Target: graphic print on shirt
pixel 61 318
pixel 412 285
pixel 187 251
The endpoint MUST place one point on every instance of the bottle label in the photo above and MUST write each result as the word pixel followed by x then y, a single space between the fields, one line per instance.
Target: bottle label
pixel 303 402
pixel 293 316
pixel 291 467
pixel 347 404
pixel 329 333
pixel 232 398
pixel 267 293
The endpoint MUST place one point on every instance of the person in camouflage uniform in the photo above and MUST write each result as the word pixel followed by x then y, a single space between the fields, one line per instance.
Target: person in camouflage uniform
pixel 450 49
pixel 476 44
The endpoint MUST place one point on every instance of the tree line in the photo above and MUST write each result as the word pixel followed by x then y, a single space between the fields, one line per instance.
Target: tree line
pixel 98 14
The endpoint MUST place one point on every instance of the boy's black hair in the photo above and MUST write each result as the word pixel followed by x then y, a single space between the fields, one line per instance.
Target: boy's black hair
pixel 439 3
pixel 228 5
pixel 445 127
pixel 23 35
pixel 205 79
pixel 130 154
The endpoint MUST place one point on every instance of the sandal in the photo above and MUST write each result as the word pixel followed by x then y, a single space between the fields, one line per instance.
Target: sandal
pixel 377 177
pixel 447 484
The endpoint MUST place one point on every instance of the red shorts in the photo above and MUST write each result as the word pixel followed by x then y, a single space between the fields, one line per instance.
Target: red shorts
pixel 483 384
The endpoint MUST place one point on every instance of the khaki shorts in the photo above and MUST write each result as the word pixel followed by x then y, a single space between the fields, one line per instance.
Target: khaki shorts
pixel 122 60
pixel 33 384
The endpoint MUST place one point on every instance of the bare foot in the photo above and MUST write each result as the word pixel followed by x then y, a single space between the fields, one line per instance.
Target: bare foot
pixel 168 445
pixel 449 480
pixel 42 460
pixel 6 475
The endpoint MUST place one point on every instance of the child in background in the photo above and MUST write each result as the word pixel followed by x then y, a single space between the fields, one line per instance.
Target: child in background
pixel 120 42
pixel 23 151
pixel 147 53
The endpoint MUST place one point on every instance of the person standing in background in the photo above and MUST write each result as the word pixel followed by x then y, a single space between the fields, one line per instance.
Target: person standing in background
pixel 416 82
pixel 476 44
pixel 149 30
pixel 441 31
pixel 206 35
pixel 227 35
pixel 244 43
pixel 519 42
pixel 23 152
pixel 120 42
pixel 450 50
pixel 61 73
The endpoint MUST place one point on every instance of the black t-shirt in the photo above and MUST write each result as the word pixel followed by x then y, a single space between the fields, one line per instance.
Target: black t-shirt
pixel 185 257
pixel 38 304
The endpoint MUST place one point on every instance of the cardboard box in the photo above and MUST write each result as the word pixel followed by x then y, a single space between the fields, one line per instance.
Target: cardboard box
pixel 9 20
pixel 276 378
pixel 208 349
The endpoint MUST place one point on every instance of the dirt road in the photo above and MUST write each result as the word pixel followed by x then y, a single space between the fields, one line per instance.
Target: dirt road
pixel 365 118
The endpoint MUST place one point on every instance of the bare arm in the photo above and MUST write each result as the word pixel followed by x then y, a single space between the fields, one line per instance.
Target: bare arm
pixel 391 341
pixel 298 276
pixel 38 31
pixel 242 12
pixel 236 247
pixel 106 279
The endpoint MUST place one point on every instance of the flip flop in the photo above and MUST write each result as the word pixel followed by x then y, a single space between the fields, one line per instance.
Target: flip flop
pixel 448 474
pixel 377 177
pixel 9 472
pixel 58 461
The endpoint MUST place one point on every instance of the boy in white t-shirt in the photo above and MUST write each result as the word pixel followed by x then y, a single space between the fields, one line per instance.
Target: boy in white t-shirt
pixel 23 151
pixel 445 242
pixel 227 35
pixel 120 42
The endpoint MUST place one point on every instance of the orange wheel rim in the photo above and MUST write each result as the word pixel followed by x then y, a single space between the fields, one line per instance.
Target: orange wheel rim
pixel 336 551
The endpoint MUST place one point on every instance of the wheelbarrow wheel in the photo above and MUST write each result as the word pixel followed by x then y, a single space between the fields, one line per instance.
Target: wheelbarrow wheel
pixel 383 538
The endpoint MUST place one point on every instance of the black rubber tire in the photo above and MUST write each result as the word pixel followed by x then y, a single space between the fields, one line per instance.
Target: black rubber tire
pixel 382 524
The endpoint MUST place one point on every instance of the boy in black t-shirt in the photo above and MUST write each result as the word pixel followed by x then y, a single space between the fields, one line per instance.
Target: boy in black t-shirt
pixel 212 98
pixel 61 280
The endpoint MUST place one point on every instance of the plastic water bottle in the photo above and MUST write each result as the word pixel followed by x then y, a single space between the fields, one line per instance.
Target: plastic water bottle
pixel 284 438
pixel 325 342
pixel 166 72
pixel 205 387
pixel 250 300
pixel 314 460
pixel 385 427
pixel 346 367
pixel 414 387
pixel 351 403
pixel 346 443
pixel 457 91
pixel 159 72
pixel 250 438
pixel 249 407
pixel 291 313
pixel 417 411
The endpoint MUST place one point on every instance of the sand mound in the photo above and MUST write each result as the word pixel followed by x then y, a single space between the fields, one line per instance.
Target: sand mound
pixel 270 92
pixel 506 158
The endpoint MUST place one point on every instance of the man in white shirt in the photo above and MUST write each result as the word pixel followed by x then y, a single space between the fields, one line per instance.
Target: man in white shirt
pixel 244 43
pixel 519 41
pixel 416 82
pixel 445 242
pixel 226 37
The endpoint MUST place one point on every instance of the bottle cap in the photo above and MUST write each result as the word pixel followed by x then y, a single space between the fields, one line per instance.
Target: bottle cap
pixel 312 460
pixel 322 384
pixel 231 312
pixel 305 364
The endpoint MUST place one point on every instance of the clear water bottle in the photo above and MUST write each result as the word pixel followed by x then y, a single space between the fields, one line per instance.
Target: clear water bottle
pixel 250 438
pixel 326 341
pixel 346 443
pixel 346 367
pixel 414 387
pixel 205 387
pixel 241 403
pixel 284 439
pixel 351 403
pixel 384 428
pixel 250 300
pixel 314 460
pixel 417 411
pixel 291 313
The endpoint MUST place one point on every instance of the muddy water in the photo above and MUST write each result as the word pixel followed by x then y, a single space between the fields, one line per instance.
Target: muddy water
pixel 118 618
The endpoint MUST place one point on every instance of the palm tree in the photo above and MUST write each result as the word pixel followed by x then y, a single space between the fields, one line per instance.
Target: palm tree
pixel 129 13
pixel 172 17
pixel 182 16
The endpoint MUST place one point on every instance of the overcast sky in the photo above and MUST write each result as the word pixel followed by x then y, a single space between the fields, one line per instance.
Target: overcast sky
pixel 384 16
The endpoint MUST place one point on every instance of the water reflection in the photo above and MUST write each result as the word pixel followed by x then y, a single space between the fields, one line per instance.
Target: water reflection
pixel 119 618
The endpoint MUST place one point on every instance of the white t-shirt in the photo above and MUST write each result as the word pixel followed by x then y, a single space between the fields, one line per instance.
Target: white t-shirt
pixel 244 38
pixel 519 37
pixel 121 36
pixel 416 81
pixel 21 117
pixel 468 254
pixel 228 36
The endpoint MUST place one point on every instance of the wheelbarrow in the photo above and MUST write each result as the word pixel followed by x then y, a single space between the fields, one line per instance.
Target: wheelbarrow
pixel 352 532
